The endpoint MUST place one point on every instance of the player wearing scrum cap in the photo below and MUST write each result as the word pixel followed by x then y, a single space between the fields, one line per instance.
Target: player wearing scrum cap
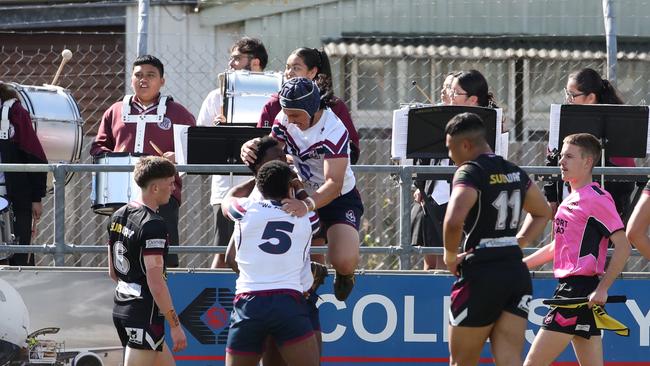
pixel 318 143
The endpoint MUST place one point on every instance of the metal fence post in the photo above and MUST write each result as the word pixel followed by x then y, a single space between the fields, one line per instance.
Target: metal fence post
pixel 610 37
pixel 143 26
pixel 405 183
pixel 59 215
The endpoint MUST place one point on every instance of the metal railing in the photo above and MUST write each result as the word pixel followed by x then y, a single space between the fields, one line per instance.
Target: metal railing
pixel 371 85
pixel 403 250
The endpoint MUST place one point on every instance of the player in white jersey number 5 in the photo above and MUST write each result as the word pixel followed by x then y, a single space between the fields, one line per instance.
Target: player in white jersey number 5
pixel 272 254
pixel 318 143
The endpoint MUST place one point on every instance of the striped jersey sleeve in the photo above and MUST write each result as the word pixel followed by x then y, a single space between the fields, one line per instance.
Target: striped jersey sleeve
pixel 315 222
pixel 278 130
pixel 236 210
pixel 336 148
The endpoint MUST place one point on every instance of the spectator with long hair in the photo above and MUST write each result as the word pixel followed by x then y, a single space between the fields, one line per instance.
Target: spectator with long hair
pixel 313 64
pixel 588 87
pixel 470 88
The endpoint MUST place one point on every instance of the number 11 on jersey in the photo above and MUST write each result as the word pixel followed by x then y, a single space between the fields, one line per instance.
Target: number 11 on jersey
pixel 502 204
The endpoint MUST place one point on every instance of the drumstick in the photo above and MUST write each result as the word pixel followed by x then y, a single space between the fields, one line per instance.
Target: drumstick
pixel 67 55
pixel 222 85
pixel 422 91
pixel 156 148
pixel 580 300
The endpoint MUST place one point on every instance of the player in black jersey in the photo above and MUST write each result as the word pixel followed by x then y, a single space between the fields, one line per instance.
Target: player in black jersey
pixel 490 298
pixel 138 243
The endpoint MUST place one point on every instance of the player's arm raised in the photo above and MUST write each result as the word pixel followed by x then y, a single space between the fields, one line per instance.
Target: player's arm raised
pixel 229 201
pixel 538 214
pixel 243 189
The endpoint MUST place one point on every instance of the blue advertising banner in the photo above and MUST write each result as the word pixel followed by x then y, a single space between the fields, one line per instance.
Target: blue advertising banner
pixel 391 319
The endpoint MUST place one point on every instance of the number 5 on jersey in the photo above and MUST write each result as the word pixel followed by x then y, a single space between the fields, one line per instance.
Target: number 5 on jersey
pixel 278 230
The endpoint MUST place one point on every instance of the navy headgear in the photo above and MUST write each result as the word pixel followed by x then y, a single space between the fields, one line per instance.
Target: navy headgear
pixel 301 94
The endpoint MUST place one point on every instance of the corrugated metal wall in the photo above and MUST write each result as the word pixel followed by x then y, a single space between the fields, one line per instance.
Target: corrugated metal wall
pixel 285 31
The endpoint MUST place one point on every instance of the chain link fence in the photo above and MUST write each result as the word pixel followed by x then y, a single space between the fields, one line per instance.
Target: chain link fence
pixel 372 83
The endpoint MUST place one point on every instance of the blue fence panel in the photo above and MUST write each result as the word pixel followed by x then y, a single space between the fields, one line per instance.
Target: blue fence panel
pixel 390 319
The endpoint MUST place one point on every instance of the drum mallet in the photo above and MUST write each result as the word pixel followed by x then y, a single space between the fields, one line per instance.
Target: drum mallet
pixel 155 147
pixel 66 54
pixel 422 91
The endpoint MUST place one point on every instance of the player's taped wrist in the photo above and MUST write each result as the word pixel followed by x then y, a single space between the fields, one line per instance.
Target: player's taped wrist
pixel 310 203
pixel 172 318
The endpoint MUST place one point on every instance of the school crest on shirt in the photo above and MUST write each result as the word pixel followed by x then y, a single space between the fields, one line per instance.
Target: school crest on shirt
pixel 351 217
pixel 165 124
pixel 313 154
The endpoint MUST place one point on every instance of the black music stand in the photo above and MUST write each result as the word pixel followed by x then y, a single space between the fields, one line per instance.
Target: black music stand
pixel 426 137
pixel 426 129
pixel 622 129
pixel 220 144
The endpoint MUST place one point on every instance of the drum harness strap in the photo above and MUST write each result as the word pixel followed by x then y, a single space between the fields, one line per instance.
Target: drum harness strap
pixel 4 135
pixel 142 119
pixel 4 122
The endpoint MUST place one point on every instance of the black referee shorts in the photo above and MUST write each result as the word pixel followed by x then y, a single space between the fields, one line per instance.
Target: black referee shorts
pixel 577 321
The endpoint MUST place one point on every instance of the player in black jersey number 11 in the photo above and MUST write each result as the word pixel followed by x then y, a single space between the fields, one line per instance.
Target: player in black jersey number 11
pixel 490 298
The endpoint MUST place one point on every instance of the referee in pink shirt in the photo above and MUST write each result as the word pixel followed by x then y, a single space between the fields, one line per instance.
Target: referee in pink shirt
pixel 585 222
